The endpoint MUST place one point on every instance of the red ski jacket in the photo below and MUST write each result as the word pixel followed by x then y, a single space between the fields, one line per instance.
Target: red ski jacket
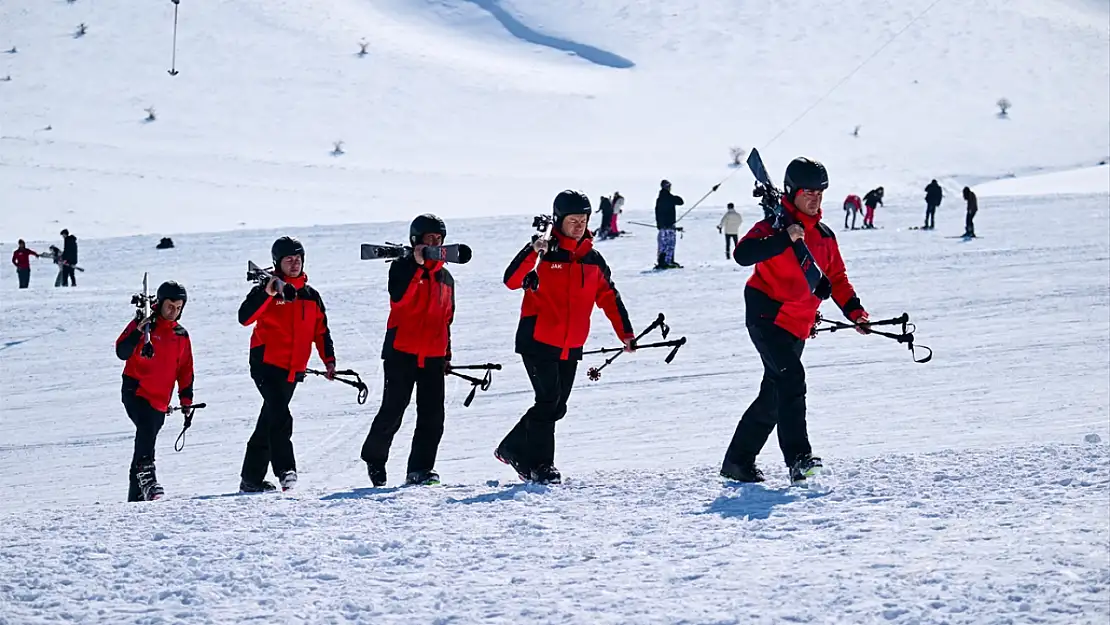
pixel 153 378
pixel 778 291
pixel 21 258
pixel 285 331
pixel 421 309
pixel 852 202
pixel 555 318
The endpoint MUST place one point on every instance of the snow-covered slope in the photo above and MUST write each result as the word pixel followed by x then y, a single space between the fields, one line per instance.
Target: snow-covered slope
pixel 481 107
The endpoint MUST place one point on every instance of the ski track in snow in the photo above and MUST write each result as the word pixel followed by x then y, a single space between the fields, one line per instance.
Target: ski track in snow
pixel 1000 536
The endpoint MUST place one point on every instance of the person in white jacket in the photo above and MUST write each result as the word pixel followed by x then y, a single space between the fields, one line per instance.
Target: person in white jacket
pixel 730 226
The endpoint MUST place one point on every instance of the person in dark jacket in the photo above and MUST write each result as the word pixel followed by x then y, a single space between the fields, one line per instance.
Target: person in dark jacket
pixel 873 199
pixel 148 381
pixel 417 352
pixel 933 196
pixel 780 311
pixel 285 329
pixel 972 208
pixel 665 222
pixel 606 218
pixel 21 258
pixel 570 278
pixel 69 260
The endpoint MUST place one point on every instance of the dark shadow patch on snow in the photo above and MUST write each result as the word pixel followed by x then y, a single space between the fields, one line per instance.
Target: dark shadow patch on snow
pixel 361 493
pixel 507 494
pixel 521 31
pixel 755 501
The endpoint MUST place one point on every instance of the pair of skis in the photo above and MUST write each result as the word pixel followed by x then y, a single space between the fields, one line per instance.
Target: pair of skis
pixel 457 253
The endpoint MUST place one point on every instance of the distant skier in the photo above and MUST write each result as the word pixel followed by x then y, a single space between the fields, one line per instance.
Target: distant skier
pixel 281 343
pixel 730 226
pixel 665 221
pixel 148 382
pixel 618 208
pixel 69 259
pixel 873 199
pixel 559 298
pixel 780 311
pixel 416 353
pixel 933 196
pixel 606 207
pixel 972 208
pixel 853 206
pixel 21 258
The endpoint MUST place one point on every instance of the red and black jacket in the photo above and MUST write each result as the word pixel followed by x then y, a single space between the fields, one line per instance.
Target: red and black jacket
pixel 778 291
pixel 21 258
pixel 421 309
pixel 285 331
pixel 555 318
pixel 153 378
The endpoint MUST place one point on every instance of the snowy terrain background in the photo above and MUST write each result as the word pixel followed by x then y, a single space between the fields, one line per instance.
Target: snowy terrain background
pixel 972 489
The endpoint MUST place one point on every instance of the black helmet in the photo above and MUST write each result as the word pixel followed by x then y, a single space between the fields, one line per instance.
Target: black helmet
pixel 570 203
pixel 664 184
pixel 286 246
pixel 172 290
pixel 426 224
pixel 804 174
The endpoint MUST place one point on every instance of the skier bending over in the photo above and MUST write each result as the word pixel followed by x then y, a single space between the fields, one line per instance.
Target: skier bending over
pixel 148 382
pixel 286 324
pixel 554 322
pixel 780 312
pixel 416 353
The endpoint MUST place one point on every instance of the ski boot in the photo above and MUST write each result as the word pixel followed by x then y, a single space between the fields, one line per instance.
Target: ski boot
pixel 806 466
pixel 422 478
pixel 743 471
pixel 376 473
pixel 288 480
pixel 511 459
pixel 260 487
pixel 546 474
pixel 661 262
pixel 149 488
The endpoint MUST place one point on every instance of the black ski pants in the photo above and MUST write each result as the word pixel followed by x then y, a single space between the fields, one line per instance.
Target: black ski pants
pixel 69 275
pixel 532 440
pixel 148 422
pixel 24 277
pixel 781 401
pixel 730 244
pixel 930 215
pixel 402 372
pixel 272 440
pixel 969 224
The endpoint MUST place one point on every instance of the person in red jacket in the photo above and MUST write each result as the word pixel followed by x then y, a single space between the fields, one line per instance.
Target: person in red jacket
pixel 781 310
pixel 570 278
pixel 417 352
pixel 148 382
pixel 21 258
pixel 852 206
pixel 287 321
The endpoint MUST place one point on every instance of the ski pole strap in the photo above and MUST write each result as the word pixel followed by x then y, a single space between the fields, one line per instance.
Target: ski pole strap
pixel 906 336
pixel 179 444
pixel 482 383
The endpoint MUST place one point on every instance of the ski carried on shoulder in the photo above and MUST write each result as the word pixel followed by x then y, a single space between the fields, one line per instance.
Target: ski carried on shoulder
pixel 457 253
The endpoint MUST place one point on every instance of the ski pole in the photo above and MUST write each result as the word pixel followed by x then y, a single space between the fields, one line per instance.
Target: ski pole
pixel 179 444
pixel 173 60
pixel 594 373
pixel 363 391
pixel 903 320
pixel 477 383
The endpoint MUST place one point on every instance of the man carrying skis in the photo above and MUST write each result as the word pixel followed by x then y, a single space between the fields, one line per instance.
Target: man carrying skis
pixel 780 311
pixel 730 225
pixel 286 324
pixel 933 196
pixel 21 258
pixel 417 352
pixel 570 278
pixel 148 382
pixel 665 222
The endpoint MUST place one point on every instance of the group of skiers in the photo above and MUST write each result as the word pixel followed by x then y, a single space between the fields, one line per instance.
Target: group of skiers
pixel 65 259
pixel 853 206
pixel 933 197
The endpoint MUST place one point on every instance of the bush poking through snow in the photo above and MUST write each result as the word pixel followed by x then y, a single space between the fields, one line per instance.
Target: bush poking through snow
pixel 338 149
pixel 150 116
pixel 1003 107
pixel 81 30
pixel 362 45
pixel 738 155
pixel 855 131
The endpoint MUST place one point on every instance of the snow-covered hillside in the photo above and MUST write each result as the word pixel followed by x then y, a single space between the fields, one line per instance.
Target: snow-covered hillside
pixel 483 107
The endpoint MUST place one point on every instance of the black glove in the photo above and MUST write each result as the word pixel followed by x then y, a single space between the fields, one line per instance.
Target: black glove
pixel 531 281
pixel 824 288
